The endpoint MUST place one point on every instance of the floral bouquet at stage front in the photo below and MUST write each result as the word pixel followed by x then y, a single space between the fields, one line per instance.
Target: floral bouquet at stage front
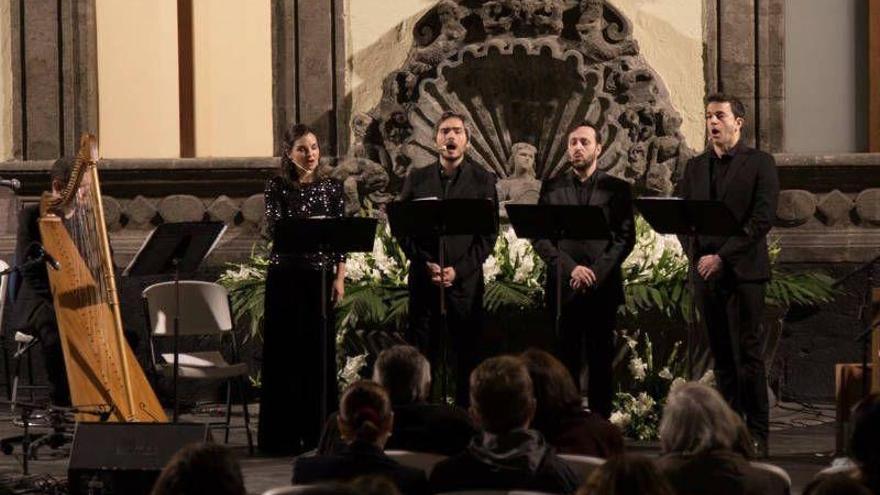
pixel 637 411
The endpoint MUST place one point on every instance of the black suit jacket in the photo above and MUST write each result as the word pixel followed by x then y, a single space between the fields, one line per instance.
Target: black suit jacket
pixel 604 257
pixel 465 253
pixel 33 307
pixel 420 427
pixel 750 190
pixel 358 459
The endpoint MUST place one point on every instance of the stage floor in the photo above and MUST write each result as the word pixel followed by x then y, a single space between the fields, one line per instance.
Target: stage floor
pixel 801 442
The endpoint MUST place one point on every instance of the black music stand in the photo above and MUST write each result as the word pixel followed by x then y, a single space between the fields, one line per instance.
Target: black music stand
pixel 689 218
pixel 172 249
pixel 441 218
pixel 317 235
pixel 557 223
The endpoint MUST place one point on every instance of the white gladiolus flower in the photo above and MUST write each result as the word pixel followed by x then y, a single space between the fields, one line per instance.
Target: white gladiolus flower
pixel 679 381
pixel 638 368
pixel 490 269
pixel 350 373
pixel 665 374
pixel 708 378
pixel 620 419
pixel 644 403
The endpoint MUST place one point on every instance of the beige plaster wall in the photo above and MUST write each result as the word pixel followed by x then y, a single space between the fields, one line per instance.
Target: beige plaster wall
pixel 670 36
pixel 137 78
pixel 669 32
pixel 232 59
pixel 5 82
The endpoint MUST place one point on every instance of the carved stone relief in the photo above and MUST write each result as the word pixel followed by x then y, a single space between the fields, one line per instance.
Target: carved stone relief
pixel 526 71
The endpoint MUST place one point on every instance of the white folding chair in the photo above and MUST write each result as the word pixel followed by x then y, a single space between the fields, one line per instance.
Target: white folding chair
pixel 419 460
pixel 582 464
pixel 205 310
pixel 776 472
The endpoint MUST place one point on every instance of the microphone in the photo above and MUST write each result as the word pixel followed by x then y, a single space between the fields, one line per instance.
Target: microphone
pixel 44 256
pixel 10 183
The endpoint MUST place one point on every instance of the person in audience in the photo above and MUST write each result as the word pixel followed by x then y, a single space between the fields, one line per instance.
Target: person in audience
pixel 865 441
pixel 838 484
pixel 560 415
pixel 627 475
pixel 418 426
pixel 507 455
pixel 365 422
pixel 699 435
pixel 201 468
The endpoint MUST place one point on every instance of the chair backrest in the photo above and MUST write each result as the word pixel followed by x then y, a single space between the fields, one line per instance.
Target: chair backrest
pixel 582 464
pixel 775 471
pixel 317 489
pixel 419 460
pixel 493 492
pixel 204 308
pixel 289 490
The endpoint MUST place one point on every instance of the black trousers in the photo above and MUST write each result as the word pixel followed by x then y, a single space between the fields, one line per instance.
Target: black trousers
pixel 463 333
pixel 53 354
pixel 586 337
pixel 733 312
pixel 290 412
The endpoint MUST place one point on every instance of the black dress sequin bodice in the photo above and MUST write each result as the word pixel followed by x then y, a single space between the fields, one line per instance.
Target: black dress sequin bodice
pixel 284 200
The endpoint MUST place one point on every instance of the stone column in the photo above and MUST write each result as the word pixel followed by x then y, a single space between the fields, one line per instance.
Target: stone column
pixel 308 64
pixel 54 64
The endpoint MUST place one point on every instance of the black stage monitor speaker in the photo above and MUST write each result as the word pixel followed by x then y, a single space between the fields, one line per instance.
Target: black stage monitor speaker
pixel 125 458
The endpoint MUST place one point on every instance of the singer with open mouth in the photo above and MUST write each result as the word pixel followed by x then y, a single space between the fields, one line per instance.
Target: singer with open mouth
pixel 291 338
pixel 730 274
pixel 454 175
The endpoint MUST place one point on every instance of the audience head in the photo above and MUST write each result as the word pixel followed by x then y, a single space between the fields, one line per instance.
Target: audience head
pixel 554 388
pixel 697 419
pixel 627 474
pixel 373 485
pixel 365 413
pixel 838 484
pixel 201 468
pixel 405 374
pixel 865 441
pixel 501 395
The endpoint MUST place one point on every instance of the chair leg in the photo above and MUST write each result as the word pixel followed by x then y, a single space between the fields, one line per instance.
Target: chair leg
pixel 228 409
pixel 242 391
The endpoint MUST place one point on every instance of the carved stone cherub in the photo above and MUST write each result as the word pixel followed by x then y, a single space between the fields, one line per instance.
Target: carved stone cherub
pixel 520 186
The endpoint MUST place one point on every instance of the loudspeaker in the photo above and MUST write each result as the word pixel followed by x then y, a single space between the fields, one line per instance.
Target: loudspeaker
pixel 125 458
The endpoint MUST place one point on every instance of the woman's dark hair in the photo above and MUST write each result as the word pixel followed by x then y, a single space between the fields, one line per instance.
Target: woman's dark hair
pixel 291 135
pixel 61 170
pixel 555 392
pixel 865 440
pixel 201 468
pixel 364 408
pixel 628 474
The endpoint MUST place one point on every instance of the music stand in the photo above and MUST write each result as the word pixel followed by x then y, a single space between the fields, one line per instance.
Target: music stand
pixel 441 218
pixel 689 218
pixel 557 223
pixel 315 235
pixel 172 249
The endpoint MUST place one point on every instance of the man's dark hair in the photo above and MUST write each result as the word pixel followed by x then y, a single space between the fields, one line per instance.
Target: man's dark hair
pixel 736 106
pixel 501 393
pixel 201 468
pixel 451 114
pixel 61 170
pixel 404 372
pixel 628 474
pixel 591 125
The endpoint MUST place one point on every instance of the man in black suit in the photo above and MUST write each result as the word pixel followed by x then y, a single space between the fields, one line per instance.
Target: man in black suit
pixel 33 311
pixel 592 283
pixel 453 176
pixel 730 273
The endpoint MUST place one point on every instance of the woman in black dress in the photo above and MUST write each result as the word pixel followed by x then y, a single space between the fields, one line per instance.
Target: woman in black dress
pixel 290 409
